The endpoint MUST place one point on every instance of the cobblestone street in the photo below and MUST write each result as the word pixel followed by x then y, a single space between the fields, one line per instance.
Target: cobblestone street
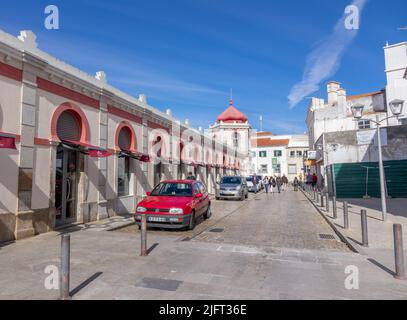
pixel 266 247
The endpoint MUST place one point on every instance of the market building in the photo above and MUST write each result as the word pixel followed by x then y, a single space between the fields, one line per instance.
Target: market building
pixel 74 149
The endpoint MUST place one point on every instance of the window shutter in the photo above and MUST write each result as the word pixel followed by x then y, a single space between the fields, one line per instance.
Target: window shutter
pixel 124 139
pixel 68 127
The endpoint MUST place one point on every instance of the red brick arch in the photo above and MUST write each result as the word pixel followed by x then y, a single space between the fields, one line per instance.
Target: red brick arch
pixel 80 116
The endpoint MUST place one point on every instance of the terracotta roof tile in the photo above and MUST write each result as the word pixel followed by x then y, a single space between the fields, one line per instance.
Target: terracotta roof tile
pixel 267 142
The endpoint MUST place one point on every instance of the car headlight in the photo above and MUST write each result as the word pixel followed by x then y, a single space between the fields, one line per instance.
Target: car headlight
pixel 238 188
pixel 176 211
pixel 141 209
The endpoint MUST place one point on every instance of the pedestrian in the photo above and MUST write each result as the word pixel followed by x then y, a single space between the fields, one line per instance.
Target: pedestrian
pixel 191 176
pixel 279 183
pixel 314 181
pixel 273 184
pixel 285 182
pixel 266 184
pixel 295 184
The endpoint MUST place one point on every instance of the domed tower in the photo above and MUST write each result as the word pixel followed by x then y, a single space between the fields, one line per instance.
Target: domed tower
pixel 232 128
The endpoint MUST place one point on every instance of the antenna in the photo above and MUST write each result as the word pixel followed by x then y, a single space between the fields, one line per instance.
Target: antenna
pixel 261 123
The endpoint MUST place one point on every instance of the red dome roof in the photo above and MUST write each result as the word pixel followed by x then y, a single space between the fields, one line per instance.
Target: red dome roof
pixel 232 114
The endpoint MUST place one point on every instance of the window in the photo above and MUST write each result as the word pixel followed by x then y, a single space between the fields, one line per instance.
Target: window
pixel 236 139
pixel 68 126
pixel 231 180
pixel 292 154
pixel 173 189
pixel 263 154
pixel 299 154
pixel 123 176
pixel 196 188
pixel 278 153
pixel 292 169
pixel 263 168
pixel 202 187
pixel 403 121
pixel 364 124
pixel 277 168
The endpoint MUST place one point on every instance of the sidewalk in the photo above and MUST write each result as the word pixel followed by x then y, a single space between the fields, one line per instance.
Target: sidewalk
pixel 380 251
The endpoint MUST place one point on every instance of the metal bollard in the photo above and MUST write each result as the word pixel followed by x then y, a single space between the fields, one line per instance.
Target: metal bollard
pixel 398 252
pixel 315 195
pixel 345 215
pixel 363 216
pixel 327 202
pixel 65 267
pixel 322 200
pixel 143 252
pixel 335 214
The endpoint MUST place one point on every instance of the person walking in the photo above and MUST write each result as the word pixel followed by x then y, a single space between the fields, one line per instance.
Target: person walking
pixel 295 184
pixel 266 184
pixel 314 181
pixel 279 183
pixel 273 184
pixel 285 182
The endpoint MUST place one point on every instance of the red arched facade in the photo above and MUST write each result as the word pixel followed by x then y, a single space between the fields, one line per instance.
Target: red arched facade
pixel 133 142
pixel 80 116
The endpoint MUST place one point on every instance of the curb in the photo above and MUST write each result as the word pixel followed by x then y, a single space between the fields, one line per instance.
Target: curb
pixel 334 228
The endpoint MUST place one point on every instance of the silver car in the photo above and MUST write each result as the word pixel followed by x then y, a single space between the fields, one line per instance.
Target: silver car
pixel 232 187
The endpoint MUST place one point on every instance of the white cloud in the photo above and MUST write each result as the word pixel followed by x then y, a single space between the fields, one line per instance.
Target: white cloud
pixel 324 60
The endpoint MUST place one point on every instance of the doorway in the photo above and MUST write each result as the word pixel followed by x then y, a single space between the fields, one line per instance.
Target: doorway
pixel 66 185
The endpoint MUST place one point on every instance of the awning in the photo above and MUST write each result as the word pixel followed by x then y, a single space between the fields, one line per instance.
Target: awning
pixel 7 141
pixel 85 148
pixel 135 155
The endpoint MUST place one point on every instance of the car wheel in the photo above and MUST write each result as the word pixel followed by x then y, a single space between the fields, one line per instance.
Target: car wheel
pixel 192 221
pixel 217 198
pixel 208 213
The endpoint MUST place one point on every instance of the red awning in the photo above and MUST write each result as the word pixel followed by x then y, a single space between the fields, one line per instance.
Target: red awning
pixel 7 141
pixel 92 151
pixel 135 155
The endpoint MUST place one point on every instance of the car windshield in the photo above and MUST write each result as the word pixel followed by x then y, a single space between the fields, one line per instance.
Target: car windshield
pixel 249 179
pixel 173 189
pixel 232 180
pixel 258 178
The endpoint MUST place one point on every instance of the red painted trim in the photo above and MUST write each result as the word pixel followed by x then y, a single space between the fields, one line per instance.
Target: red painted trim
pixel 153 125
pixel 66 93
pixel 124 114
pixel 11 72
pixel 133 141
pixel 42 142
pixel 80 115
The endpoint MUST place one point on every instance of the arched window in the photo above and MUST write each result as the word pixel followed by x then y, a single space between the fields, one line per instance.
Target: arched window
pixel 125 139
pixel 68 126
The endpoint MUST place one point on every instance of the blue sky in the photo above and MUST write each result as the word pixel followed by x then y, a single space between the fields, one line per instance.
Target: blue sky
pixel 187 54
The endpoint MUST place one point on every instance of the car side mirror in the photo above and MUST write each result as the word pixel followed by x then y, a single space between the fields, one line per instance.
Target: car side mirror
pixel 148 193
pixel 199 195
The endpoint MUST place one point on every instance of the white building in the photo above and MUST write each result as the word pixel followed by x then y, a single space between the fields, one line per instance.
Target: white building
pixel 345 149
pixel 396 73
pixel 278 155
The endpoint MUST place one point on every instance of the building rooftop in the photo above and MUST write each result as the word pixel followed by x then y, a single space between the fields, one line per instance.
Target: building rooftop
pixel 231 114
pixel 267 142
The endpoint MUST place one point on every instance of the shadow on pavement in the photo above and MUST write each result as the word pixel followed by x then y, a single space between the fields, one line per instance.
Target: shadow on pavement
pixel 85 283
pixel 378 264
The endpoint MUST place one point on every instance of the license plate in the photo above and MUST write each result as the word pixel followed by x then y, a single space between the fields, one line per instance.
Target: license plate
pixel 156 219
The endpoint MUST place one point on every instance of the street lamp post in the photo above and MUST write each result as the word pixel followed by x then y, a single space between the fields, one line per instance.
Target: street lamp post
pixel 396 107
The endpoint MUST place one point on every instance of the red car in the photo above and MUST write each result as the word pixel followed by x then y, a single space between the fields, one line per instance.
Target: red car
pixel 175 204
